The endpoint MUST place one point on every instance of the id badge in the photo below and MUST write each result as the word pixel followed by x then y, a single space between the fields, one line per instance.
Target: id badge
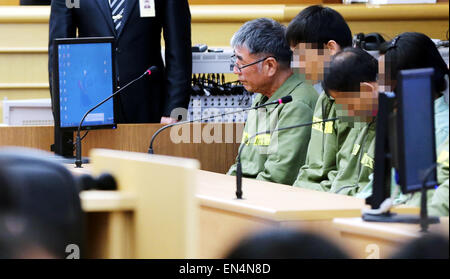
pixel 147 8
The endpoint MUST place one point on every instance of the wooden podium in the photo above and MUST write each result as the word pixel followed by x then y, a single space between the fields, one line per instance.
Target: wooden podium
pixel 214 145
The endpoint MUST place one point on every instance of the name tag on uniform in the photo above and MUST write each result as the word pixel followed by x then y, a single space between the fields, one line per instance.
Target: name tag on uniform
pixel 147 8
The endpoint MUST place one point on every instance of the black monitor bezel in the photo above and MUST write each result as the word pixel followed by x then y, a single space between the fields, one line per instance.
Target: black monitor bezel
pixel 55 80
pixel 401 139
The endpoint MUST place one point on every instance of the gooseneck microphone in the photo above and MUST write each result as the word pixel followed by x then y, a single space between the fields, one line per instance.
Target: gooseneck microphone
pixel 150 71
pixel 283 100
pixel 238 163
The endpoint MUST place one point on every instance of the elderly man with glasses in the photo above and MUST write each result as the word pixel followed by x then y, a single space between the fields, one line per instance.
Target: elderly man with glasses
pixel 262 59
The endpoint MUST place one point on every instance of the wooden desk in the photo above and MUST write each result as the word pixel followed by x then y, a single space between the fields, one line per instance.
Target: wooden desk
pixel 223 220
pixel 380 240
pixel 109 224
pixel 217 156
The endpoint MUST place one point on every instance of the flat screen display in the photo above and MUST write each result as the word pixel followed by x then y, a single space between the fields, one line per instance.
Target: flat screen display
pixel 85 77
pixel 415 121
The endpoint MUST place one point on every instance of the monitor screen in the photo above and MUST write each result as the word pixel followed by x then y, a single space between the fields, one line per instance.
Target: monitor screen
pixel 405 140
pixel 416 149
pixel 84 79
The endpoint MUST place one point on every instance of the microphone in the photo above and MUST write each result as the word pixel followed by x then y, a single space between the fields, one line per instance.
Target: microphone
pixel 150 71
pixel 283 100
pixel 238 164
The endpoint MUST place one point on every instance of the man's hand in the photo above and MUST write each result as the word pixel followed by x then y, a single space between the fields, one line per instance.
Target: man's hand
pixel 168 120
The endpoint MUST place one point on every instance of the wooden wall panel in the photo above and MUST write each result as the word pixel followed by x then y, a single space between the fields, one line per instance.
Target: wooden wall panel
pixel 40 137
pixel 27 31
pixel 216 156
pixel 9 2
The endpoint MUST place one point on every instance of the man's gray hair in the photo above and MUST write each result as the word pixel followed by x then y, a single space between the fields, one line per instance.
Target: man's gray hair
pixel 264 36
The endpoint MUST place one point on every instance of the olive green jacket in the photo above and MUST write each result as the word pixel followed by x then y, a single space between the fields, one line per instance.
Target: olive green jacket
pixel 437 199
pixel 277 157
pixel 326 140
pixel 355 160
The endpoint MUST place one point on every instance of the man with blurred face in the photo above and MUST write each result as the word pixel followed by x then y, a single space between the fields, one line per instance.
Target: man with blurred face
pixel 357 106
pixel 314 35
pixel 352 82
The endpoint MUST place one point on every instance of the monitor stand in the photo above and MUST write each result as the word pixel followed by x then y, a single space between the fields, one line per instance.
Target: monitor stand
pixel 68 160
pixel 380 200
pixel 64 147
pixel 383 214
pixel 390 217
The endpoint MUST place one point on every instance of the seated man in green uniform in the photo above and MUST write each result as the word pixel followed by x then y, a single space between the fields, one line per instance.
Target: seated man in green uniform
pixel 412 50
pixel 351 80
pixel 262 59
pixel 314 35
pixel 439 201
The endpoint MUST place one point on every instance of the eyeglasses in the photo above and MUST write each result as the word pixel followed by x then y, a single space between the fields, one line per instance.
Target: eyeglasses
pixel 234 64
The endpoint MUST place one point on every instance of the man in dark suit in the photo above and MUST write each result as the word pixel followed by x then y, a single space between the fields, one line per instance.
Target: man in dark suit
pixel 137 26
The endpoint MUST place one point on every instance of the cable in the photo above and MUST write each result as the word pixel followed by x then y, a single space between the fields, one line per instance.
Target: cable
pixel 85 134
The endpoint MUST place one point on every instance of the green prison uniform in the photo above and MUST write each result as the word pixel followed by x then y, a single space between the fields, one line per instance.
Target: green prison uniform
pixel 441 114
pixel 355 160
pixel 277 157
pixel 326 140
pixel 441 120
pixel 437 200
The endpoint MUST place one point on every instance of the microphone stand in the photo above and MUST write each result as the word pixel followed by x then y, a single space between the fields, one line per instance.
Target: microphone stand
pixel 78 162
pixel 238 163
pixel 283 100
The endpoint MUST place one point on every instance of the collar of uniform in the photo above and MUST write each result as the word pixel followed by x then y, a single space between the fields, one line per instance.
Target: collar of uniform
pixel 363 125
pixel 285 89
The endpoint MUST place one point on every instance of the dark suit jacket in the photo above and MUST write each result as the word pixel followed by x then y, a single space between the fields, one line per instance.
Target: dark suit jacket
pixel 138 46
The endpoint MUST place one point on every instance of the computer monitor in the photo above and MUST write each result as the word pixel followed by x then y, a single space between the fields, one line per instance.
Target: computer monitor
pixel 83 76
pixel 405 141
pixel 415 141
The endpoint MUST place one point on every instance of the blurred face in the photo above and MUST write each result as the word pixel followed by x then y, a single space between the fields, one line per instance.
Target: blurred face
pixel 311 61
pixel 385 82
pixel 357 106
pixel 250 76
